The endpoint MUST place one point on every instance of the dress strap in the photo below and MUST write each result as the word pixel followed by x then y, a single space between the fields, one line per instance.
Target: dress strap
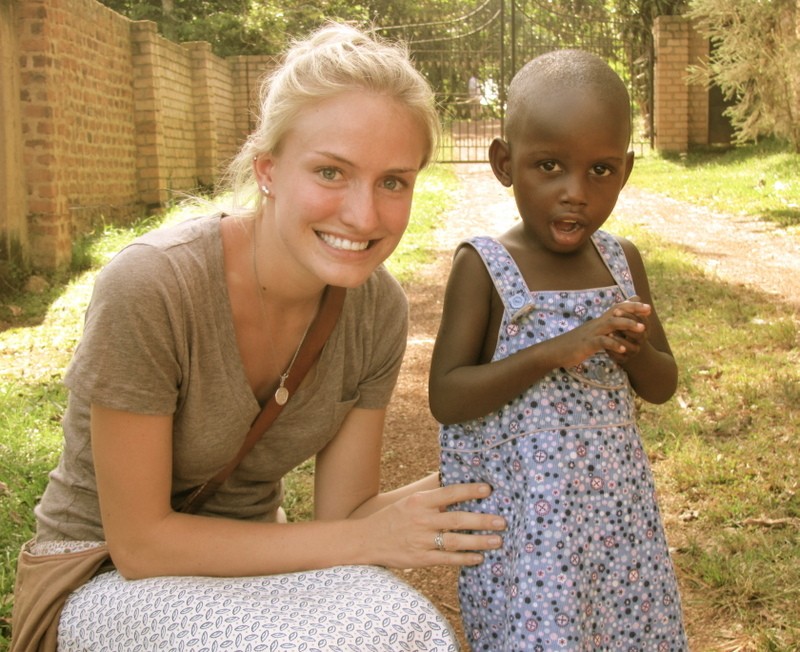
pixel 511 286
pixel 613 256
pixel 505 275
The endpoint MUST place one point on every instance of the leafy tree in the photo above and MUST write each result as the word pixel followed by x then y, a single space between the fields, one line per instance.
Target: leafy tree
pixel 755 60
pixel 235 27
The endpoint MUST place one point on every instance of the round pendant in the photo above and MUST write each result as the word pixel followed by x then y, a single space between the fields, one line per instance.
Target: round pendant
pixel 281 395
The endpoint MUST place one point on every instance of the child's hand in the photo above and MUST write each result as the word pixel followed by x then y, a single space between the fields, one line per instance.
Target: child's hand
pixel 633 335
pixel 620 331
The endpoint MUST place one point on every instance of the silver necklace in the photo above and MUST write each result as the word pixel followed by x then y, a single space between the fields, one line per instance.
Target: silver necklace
pixel 281 394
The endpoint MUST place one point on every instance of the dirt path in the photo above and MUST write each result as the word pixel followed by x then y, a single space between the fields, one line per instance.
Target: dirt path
pixel 735 249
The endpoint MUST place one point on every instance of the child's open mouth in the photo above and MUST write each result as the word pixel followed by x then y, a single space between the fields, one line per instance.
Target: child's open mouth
pixel 566 226
pixel 567 233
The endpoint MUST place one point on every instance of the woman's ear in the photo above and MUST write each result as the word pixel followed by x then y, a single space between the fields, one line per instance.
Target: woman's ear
pixel 263 166
pixel 500 160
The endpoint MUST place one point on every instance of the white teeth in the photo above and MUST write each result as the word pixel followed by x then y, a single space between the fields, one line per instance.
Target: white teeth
pixel 341 243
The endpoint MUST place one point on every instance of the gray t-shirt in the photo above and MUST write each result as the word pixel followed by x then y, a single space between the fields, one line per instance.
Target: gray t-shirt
pixel 159 339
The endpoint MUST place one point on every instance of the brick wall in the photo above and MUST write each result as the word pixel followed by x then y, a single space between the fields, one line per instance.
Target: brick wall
pixel 77 104
pixel 111 120
pixel 14 245
pixel 103 119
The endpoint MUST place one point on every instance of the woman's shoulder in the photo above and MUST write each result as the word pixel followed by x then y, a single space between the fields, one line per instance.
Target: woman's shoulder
pixel 204 229
pixel 377 310
pixel 159 255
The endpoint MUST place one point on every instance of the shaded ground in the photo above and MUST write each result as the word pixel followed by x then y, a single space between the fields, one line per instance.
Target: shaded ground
pixel 735 249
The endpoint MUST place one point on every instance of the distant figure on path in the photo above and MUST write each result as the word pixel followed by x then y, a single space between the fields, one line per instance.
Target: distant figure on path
pixel 474 97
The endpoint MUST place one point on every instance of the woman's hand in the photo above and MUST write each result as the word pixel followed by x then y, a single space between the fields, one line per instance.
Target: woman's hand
pixel 418 530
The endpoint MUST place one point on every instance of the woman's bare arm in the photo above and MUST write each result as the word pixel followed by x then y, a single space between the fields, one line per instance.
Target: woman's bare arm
pixel 147 538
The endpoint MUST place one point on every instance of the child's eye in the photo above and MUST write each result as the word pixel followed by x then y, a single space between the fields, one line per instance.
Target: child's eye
pixel 601 170
pixel 549 166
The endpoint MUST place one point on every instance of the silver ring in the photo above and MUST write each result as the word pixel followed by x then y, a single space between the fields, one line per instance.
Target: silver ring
pixel 438 541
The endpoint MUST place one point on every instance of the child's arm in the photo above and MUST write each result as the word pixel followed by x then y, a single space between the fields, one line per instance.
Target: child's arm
pixel 648 359
pixel 464 386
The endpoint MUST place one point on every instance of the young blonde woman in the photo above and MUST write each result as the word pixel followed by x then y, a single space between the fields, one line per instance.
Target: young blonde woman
pixel 193 328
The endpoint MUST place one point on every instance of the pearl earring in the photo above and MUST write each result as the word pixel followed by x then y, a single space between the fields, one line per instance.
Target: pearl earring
pixel 265 190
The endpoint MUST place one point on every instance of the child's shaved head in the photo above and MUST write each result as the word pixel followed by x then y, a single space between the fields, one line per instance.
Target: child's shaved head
pixel 560 70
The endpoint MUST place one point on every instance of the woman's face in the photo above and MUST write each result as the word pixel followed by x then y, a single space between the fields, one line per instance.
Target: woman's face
pixel 341 187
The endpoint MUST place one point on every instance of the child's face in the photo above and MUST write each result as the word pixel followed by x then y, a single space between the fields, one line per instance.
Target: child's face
pixel 567 161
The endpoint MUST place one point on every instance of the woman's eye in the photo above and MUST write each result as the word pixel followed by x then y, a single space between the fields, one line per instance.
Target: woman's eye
pixel 392 183
pixel 329 174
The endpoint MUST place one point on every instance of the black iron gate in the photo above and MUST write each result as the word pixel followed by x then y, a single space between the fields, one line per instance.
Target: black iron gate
pixel 470 60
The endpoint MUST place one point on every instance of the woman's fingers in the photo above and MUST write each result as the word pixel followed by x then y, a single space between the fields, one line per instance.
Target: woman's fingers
pixel 455 541
pixel 453 494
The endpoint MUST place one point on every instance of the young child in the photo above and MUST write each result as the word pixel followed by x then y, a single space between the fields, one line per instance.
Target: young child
pixel 546 334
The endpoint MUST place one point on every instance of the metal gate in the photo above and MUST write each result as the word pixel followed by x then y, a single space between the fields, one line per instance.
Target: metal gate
pixel 470 60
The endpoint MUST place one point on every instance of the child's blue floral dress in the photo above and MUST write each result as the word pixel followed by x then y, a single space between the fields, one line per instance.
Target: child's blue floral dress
pixel 585 564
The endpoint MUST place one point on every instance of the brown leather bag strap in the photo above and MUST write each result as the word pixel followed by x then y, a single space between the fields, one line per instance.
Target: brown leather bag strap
pixel 310 349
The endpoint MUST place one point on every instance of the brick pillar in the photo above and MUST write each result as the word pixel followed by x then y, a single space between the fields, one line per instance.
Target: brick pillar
pixel 205 122
pixel 49 222
pixel 244 93
pixel 150 144
pixel 671 91
pixel 698 91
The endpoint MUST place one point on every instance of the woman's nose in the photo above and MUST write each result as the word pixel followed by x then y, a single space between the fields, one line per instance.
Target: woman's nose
pixel 360 209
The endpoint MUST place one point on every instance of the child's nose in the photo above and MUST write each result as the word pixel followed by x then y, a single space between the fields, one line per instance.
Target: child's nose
pixel 574 190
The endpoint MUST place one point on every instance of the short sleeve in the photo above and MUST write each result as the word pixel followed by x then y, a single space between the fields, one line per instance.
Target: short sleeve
pixel 129 357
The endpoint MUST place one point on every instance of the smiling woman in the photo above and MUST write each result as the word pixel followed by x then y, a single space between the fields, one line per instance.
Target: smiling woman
pixel 339 191
pixel 195 328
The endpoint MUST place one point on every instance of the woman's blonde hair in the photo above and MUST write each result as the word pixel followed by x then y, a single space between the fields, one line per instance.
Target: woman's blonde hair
pixel 335 59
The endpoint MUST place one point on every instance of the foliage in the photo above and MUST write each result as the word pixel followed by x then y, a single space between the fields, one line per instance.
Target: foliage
pixel 234 27
pixel 755 61
pixel 464 32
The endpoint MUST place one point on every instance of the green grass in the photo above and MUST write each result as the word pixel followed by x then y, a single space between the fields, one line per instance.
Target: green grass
pixel 432 197
pixel 758 180
pixel 724 449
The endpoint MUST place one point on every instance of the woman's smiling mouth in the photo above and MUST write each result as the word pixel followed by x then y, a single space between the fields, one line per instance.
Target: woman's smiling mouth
pixel 342 243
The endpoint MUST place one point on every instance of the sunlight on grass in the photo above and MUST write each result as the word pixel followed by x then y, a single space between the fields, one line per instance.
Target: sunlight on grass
pixel 724 449
pixel 758 180
pixel 432 197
